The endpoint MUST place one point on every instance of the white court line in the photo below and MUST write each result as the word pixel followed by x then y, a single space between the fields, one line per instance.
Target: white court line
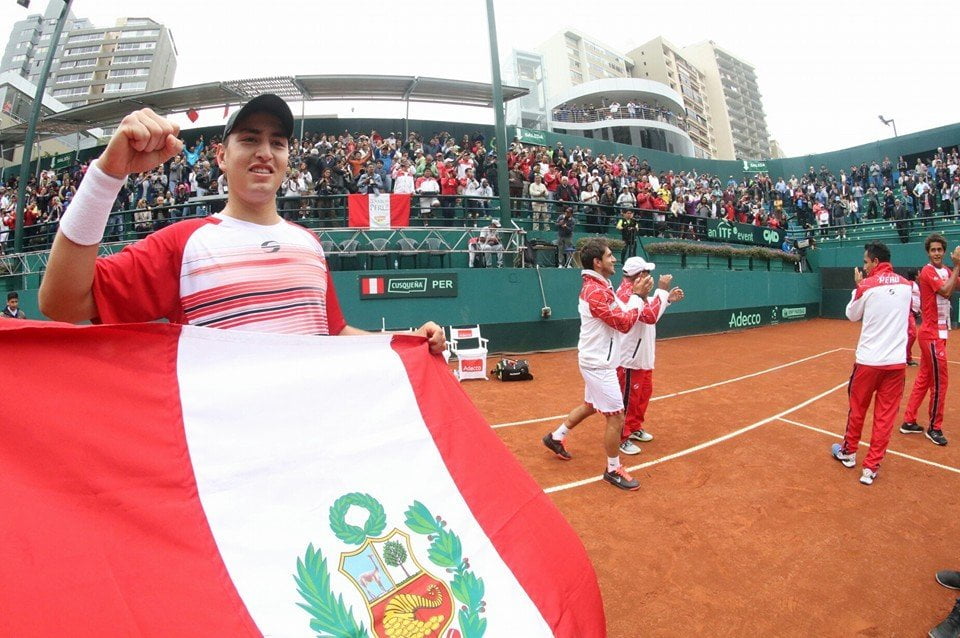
pixel 865 444
pixel 697 448
pixel 956 363
pixel 682 392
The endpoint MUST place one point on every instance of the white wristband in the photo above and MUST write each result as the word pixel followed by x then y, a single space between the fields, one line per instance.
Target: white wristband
pixel 86 217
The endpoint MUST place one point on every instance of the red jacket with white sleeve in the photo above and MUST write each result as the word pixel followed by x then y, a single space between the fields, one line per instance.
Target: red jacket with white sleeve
pixel 602 319
pixel 637 347
pixel 882 302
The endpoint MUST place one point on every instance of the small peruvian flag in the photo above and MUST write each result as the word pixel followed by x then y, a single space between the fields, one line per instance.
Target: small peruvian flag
pixel 378 211
pixel 372 286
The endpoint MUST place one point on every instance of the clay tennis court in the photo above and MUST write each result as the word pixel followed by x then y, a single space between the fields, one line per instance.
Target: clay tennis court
pixel 744 525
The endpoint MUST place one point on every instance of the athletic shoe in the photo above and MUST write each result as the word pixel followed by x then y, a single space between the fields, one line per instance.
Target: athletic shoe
pixel 949 579
pixel 620 478
pixel 641 436
pixel 936 436
pixel 848 460
pixel 556 447
pixel 868 477
pixel 628 447
pixel 950 627
pixel 911 427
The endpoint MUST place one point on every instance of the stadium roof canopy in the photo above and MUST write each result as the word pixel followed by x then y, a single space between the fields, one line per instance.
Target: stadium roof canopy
pixel 307 88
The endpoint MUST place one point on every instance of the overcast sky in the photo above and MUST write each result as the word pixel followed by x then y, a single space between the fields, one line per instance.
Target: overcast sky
pixel 826 69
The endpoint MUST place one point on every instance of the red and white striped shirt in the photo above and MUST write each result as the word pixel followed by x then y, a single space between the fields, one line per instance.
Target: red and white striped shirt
pixel 222 272
pixel 934 309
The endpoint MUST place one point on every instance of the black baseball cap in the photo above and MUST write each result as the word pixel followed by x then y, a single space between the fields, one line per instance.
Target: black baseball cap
pixel 265 103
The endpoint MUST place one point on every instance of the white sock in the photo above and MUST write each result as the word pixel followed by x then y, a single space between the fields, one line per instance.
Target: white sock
pixel 561 432
pixel 613 462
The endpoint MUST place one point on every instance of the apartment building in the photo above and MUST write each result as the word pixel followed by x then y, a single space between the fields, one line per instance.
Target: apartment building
pixel 739 121
pixel 571 58
pixel 92 63
pixel 661 61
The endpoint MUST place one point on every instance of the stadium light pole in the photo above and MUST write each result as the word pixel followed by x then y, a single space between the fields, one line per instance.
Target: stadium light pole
pixel 32 125
pixel 889 123
pixel 500 125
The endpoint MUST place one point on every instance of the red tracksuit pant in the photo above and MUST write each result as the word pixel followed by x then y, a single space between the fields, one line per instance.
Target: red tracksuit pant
pixel 887 385
pixel 911 336
pixel 931 376
pixel 637 387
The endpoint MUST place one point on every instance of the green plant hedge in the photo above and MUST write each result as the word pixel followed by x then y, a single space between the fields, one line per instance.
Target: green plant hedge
pixel 718 250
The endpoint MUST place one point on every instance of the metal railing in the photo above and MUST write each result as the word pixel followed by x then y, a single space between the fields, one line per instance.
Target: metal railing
pixel 586 116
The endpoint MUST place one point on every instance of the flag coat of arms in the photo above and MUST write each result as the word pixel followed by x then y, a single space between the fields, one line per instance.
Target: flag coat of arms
pixel 378 211
pixel 164 480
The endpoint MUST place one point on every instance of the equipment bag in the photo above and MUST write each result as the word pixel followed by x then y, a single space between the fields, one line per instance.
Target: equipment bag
pixel 513 370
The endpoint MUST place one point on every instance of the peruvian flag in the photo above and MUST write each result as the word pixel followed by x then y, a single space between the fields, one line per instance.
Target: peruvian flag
pixel 372 286
pixel 184 481
pixel 379 211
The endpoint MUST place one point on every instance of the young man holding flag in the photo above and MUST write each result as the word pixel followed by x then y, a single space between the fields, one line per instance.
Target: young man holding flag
pixel 243 269
pixel 602 320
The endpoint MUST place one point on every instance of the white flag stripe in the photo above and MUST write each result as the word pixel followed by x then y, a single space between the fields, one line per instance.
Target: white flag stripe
pixel 268 471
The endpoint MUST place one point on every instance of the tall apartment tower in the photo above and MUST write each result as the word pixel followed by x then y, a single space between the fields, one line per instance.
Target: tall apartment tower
pixel 661 61
pixel 571 58
pixel 93 63
pixel 739 123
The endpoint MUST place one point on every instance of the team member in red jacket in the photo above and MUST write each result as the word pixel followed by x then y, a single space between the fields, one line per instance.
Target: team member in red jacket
pixel 602 320
pixel 882 301
pixel 637 349
pixel 936 284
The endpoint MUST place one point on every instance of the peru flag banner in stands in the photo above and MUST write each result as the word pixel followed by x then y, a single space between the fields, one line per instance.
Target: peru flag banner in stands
pixel 193 482
pixel 378 211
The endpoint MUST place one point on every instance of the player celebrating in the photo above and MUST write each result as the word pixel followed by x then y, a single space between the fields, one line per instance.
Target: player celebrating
pixel 936 284
pixel 602 319
pixel 882 301
pixel 637 349
pixel 242 269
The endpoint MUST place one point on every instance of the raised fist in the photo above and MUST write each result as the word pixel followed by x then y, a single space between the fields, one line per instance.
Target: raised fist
pixel 143 141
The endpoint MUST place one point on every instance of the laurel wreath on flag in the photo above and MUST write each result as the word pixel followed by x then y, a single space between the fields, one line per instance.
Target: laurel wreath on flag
pixel 446 551
pixel 374 525
pixel 330 615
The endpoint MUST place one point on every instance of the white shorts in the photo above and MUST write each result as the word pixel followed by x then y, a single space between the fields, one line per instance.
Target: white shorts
pixel 601 389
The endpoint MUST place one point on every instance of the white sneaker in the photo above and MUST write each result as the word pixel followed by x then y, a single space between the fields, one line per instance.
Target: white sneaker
pixel 868 477
pixel 848 460
pixel 641 435
pixel 628 447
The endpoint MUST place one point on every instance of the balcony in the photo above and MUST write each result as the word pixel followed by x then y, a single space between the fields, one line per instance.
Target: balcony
pixel 585 116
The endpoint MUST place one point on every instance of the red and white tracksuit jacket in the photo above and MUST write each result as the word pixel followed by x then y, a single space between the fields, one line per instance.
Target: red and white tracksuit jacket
pixel 933 375
pixel 602 319
pixel 637 354
pixel 882 302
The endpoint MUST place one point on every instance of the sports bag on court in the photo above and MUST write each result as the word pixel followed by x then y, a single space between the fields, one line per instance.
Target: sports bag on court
pixel 513 370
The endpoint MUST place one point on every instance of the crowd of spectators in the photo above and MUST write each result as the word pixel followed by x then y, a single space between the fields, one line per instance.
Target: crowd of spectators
pixel 455 179
pixel 614 110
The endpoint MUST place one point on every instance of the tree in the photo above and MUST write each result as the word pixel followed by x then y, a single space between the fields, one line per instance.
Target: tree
pixel 395 555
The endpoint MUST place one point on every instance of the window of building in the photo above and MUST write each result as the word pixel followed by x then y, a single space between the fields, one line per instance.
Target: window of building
pixel 141 33
pixel 120 73
pixel 86 37
pixel 576 77
pixel 74 77
pixel 80 90
pixel 114 87
pixel 129 59
pixel 135 46
pixel 81 50
pixel 26 33
pixel 18 58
